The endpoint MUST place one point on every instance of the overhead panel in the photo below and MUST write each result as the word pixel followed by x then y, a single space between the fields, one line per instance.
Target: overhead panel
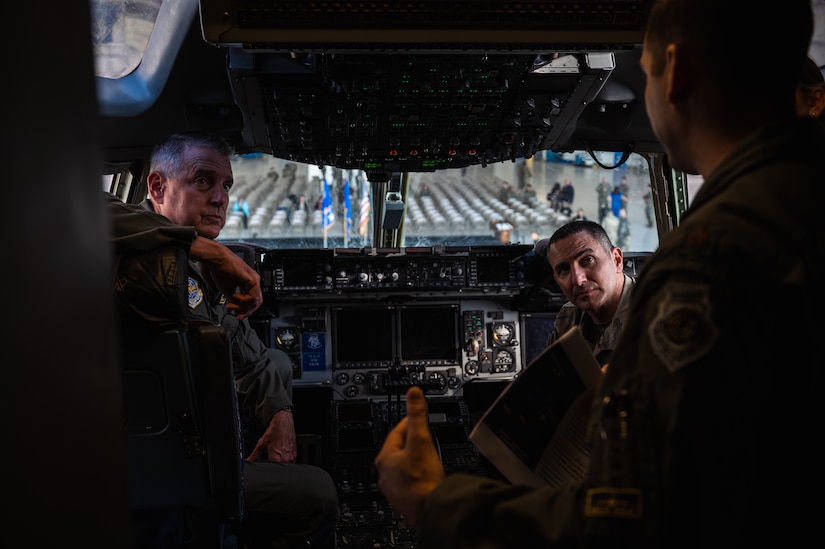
pixel 418 85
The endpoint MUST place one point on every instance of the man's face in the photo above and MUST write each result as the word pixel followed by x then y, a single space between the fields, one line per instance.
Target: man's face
pixel 586 272
pixel 198 195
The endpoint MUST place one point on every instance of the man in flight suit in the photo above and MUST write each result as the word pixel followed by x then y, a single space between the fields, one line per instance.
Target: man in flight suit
pixel 286 503
pixel 704 431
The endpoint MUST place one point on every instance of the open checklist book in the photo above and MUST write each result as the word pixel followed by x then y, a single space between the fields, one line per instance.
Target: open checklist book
pixel 536 430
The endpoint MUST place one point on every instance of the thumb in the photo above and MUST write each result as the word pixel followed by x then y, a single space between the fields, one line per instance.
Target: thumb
pixel 417 421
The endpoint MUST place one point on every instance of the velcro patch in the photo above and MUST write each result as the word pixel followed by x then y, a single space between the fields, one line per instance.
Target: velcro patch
pixel 613 503
pixel 683 330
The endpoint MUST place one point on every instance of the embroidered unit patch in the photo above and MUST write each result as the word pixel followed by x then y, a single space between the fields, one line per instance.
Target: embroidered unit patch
pixel 683 330
pixel 195 293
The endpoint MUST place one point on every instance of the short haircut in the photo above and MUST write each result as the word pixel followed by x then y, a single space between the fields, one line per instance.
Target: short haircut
pixel 728 39
pixel 575 227
pixel 811 74
pixel 167 156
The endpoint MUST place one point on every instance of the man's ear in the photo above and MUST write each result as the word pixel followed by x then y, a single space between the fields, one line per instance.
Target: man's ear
pixel 817 101
pixel 618 259
pixel 155 184
pixel 679 71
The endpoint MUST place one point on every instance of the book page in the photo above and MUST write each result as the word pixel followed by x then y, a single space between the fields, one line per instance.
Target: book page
pixel 566 456
pixel 536 430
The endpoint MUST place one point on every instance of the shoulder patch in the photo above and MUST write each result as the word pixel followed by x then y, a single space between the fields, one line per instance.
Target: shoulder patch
pixel 683 330
pixel 195 293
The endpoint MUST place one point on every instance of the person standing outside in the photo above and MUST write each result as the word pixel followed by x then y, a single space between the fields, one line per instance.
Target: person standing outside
pixel 242 206
pixel 623 230
pixel 624 188
pixel 616 201
pixel 701 430
pixel 523 173
pixel 286 503
pixel 648 200
pixel 603 190
pixel 554 197
pixel 567 195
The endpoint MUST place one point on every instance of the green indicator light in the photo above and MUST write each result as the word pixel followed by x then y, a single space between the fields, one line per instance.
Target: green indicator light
pixel 432 163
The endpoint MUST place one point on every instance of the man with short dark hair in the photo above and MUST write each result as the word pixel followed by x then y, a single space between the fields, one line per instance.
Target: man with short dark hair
pixel 590 272
pixel 703 431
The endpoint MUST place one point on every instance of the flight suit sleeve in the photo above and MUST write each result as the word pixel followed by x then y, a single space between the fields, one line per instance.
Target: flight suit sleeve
pixel 135 229
pixel 472 511
pixel 261 391
pixel 150 258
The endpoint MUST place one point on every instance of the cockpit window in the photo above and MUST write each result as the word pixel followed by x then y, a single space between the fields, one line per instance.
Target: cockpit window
pixel 120 34
pixel 281 204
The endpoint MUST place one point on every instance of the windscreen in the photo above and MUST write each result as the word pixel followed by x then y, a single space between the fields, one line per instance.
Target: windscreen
pixel 294 205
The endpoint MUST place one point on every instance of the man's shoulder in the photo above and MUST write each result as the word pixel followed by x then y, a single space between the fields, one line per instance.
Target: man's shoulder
pixel 568 315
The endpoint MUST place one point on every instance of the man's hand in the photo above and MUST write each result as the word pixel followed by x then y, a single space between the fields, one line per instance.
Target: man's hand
pixel 408 465
pixel 240 283
pixel 278 442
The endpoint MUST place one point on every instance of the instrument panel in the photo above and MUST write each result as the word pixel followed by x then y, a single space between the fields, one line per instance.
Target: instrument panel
pixel 377 350
pixel 330 272
pixel 369 323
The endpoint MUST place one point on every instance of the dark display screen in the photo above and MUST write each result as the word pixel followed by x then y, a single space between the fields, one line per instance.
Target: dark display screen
pixel 429 334
pixel 363 335
pixel 535 331
pixel 493 270
pixel 300 274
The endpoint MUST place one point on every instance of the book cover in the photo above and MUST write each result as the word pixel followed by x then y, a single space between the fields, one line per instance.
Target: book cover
pixel 536 430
